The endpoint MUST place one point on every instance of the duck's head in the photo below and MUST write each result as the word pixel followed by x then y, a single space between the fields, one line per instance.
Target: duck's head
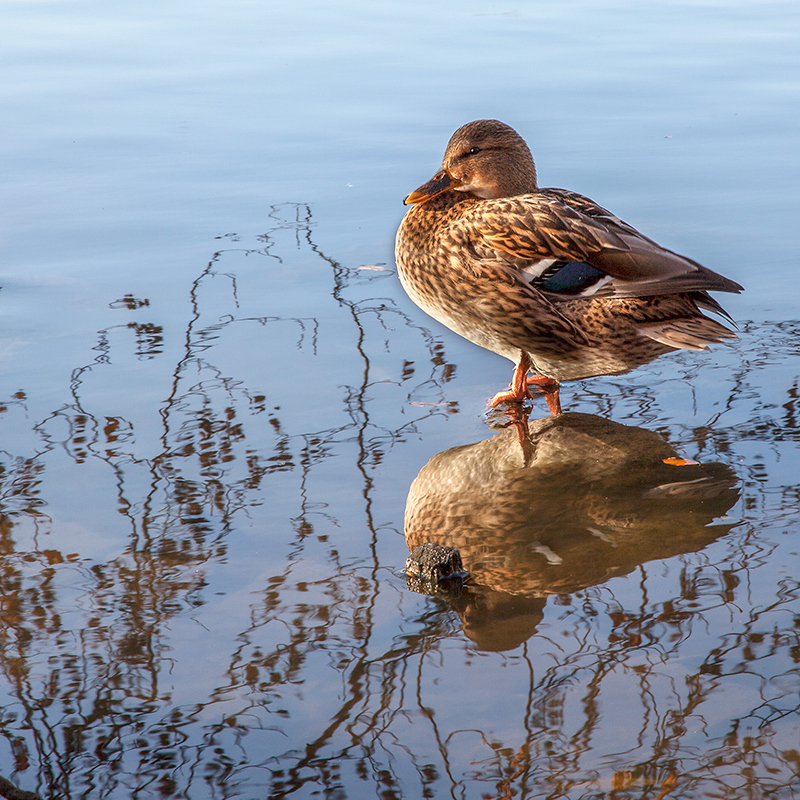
pixel 485 159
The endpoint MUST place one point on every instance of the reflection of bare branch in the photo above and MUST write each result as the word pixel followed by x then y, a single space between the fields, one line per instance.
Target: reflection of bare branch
pixel 11 792
pixel 191 500
pixel 337 682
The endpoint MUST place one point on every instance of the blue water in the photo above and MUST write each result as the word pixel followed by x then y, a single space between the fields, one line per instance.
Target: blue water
pixel 215 397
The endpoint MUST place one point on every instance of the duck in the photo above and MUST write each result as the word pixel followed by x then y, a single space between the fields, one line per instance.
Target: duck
pixel 545 277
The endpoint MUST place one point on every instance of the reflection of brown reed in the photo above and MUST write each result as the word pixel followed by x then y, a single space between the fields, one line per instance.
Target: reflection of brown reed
pixel 578 501
pixel 214 447
pixel 12 792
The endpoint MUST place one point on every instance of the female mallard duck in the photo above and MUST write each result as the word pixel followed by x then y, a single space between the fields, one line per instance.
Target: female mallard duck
pixel 545 277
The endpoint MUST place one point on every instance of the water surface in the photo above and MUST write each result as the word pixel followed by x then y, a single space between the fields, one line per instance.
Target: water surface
pixel 216 400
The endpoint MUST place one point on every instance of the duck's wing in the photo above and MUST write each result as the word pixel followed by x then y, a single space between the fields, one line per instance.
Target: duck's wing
pixel 567 246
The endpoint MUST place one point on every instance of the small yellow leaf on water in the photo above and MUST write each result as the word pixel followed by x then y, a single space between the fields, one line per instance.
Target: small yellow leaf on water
pixel 680 462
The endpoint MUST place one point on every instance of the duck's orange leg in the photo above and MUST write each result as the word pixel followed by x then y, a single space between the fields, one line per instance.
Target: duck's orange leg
pixel 549 387
pixel 519 390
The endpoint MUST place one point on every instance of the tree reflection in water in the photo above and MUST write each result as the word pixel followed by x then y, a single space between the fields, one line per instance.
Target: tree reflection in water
pixel 200 594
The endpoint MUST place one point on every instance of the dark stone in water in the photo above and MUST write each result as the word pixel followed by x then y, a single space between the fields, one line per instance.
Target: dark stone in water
pixel 435 569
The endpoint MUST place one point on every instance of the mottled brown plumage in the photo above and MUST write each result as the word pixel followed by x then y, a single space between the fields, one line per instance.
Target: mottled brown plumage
pixel 545 277
pixel 578 500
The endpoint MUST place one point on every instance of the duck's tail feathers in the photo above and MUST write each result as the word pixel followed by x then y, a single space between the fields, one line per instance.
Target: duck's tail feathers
pixel 687 333
pixel 705 300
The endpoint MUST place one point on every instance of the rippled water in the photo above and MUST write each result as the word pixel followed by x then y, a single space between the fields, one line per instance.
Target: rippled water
pixel 218 407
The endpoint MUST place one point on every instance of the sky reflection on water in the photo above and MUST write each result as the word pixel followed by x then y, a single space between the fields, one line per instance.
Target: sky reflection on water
pixel 216 398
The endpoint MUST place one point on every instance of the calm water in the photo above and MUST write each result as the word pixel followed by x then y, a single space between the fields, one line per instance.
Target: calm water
pixel 217 405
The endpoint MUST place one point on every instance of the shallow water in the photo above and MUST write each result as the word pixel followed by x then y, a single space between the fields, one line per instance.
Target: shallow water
pixel 216 400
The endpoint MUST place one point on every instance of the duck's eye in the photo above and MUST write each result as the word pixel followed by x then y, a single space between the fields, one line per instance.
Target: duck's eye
pixel 473 151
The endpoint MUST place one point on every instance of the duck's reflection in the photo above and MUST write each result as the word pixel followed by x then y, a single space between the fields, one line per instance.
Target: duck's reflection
pixel 555 505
